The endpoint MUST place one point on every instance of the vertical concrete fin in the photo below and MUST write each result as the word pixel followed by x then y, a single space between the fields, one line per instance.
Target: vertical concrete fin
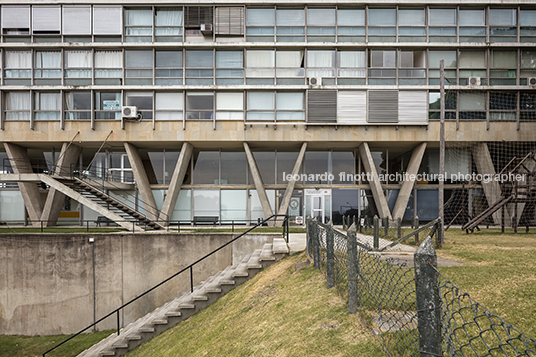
pixel 492 189
pixel 375 185
pixel 142 181
pixel 409 181
pixel 20 163
pixel 68 157
pixel 257 179
pixel 283 206
pixel 176 182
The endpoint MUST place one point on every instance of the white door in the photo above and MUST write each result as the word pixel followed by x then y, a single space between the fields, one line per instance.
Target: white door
pixel 317 207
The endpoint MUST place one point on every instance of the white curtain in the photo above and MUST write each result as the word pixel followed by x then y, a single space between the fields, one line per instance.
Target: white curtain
pixel 141 19
pixel 78 60
pixel 290 17
pixel 169 22
pixel 50 104
pixel 18 59
pixel 111 63
pixel 261 17
pixel 17 106
pixel 321 17
pixel 48 59
pixel 260 59
pixel 320 59
pixel 352 59
pixel 289 59
pixel 472 59
pixel 229 101
pixel 261 101
pixel 229 59
pixel 411 17
pixel 169 105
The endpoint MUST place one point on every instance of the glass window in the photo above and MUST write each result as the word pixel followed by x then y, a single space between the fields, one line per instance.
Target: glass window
pixel 317 163
pixel 199 67
pixel 260 16
pixel 324 61
pixel 382 17
pixel 206 168
pixel 472 101
pixel 206 203
pixel 229 106
pixel 168 67
pixel 503 17
pixel 285 164
pixel 168 24
pixel 260 66
pixel 266 163
pixel 472 59
pixel 47 106
pixel 528 59
pixel 199 105
pixel 138 24
pixel 442 17
pixel 234 206
pixel 449 58
pixel 290 106
pixel 260 105
pixel 229 67
pixel 233 168
pixel 108 67
pixel 18 65
pixel 472 17
pixel 347 61
pixel 260 24
pixel 411 17
pixel 290 64
pixel 350 17
pixel 320 17
pixel 504 59
pixel 142 100
pixel 78 106
pixel 139 67
pixel 78 67
pixel 169 105
pixel 47 65
pixel 382 58
pixel 17 105
pixel 108 105
pixel 290 25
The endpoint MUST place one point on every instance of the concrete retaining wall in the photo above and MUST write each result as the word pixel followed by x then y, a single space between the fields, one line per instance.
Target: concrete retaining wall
pixel 46 280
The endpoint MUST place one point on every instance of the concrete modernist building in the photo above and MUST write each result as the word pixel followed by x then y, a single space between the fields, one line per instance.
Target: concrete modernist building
pixel 211 109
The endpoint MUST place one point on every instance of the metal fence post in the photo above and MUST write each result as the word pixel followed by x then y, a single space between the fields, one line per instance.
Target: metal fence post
pixel 428 300
pixel 352 270
pixel 316 244
pixel 416 225
pixel 399 226
pixel 330 243
pixel 441 232
pixel 386 227
pixel 376 243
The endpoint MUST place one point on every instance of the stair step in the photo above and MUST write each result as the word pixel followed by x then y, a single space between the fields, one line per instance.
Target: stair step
pixel 254 261
pixel 107 353
pixel 186 305
pixel 199 297
pixel 120 345
pixel 133 338
pixel 266 253
pixel 173 314
pixel 160 322
pixel 146 329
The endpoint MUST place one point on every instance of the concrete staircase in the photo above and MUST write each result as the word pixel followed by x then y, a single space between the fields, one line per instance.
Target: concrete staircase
pixel 189 303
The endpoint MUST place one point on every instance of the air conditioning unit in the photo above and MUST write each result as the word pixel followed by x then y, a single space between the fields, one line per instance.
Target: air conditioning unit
pixel 474 81
pixel 531 81
pixel 206 29
pixel 130 112
pixel 314 81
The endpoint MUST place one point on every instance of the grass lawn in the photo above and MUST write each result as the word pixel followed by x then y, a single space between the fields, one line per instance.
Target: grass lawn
pixel 498 271
pixel 24 346
pixel 279 312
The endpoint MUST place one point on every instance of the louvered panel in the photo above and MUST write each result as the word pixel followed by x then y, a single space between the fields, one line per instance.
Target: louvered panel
pixel 383 106
pixel 197 15
pixel 322 106
pixel 352 107
pixel 76 20
pixel 16 17
pixel 107 20
pixel 46 19
pixel 412 107
pixel 229 20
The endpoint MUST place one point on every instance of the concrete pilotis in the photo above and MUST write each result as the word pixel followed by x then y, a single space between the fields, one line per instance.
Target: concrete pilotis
pixel 375 184
pixel 409 181
pixel 283 207
pixel 142 181
pixel 20 163
pixel 259 185
pixel 55 199
pixel 176 182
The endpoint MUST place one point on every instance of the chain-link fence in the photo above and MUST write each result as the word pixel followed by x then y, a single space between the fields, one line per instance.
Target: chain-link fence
pixel 413 309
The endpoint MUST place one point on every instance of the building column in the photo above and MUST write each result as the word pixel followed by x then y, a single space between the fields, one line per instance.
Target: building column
pixel 492 189
pixel 142 181
pixel 20 162
pixel 176 182
pixel 259 185
pixel 409 181
pixel 68 157
pixel 283 207
pixel 375 185
pixel 529 165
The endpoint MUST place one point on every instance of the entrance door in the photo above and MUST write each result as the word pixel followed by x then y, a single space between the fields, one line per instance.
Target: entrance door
pixel 317 207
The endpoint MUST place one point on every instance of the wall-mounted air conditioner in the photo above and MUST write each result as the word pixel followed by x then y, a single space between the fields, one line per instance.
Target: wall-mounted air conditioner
pixel 130 112
pixel 314 81
pixel 206 29
pixel 474 81
pixel 531 81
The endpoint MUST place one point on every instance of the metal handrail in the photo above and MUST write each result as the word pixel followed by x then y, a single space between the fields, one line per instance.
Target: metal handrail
pixel 189 268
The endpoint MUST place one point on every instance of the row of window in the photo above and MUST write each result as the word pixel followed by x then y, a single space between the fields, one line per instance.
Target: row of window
pixel 269 24
pixel 265 67
pixel 323 106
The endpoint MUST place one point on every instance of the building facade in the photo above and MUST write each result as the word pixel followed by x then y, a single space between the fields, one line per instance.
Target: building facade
pixel 243 109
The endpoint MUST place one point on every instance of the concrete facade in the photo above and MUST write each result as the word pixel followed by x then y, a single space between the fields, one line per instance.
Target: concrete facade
pixel 47 280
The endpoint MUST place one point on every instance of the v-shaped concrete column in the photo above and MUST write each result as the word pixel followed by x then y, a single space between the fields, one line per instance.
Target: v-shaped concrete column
pixel 20 163
pixel 142 181
pixel 492 189
pixel 68 157
pixel 375 185
pixel 259 185
pixel 283 206
pixel 409 181
pixel 176 182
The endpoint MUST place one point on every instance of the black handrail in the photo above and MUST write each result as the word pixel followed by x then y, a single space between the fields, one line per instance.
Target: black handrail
pixel 189 268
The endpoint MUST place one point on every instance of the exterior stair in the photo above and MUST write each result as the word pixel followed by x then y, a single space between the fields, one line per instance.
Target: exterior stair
pixel 187 304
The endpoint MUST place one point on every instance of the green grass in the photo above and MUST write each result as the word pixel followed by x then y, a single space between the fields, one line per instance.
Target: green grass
pixel 498 271
pixel 25 346
pixel 279 312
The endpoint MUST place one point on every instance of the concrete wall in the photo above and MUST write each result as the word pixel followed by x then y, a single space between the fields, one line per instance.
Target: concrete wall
pixel 46 281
